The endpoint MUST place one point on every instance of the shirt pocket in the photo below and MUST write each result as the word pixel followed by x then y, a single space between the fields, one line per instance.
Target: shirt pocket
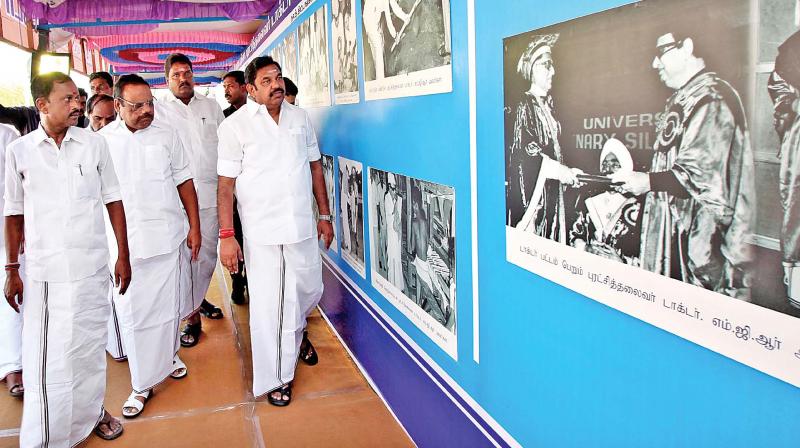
pixel 85 182
pixel 298 139
pixel 209 131
pixel 156 162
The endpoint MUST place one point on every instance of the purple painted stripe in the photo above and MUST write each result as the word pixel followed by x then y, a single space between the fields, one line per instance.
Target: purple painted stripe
pixel 412 396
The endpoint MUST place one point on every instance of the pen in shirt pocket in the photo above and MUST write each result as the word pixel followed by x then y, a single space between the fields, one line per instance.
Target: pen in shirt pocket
pixel 80 169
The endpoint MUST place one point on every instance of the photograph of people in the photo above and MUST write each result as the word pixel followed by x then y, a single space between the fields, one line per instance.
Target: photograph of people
pixel 351 216
pixel 609 223
pixel 699 192
pixel 535 175
pixel 345 59
pixel 783 84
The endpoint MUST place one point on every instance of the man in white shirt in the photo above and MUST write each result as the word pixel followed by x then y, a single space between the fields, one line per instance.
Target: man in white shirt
pixel 268 152
pixel 57 178
pixel 10 321
pixel 155 181
pixel 196 119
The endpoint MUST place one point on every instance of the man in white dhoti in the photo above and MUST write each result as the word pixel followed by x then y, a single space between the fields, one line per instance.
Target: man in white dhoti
pixel 394 238
pixel 56 180
pixel 10 321
pixel 268 152
pixel 196 119
pixel 155 181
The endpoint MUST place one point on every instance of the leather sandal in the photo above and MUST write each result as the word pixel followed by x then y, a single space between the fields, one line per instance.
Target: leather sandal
pixel 136 405
pixel 286 391
pixel 190 335
pixel 307 352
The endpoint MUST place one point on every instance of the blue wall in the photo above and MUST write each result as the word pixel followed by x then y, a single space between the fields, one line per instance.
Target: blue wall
pixel 556 368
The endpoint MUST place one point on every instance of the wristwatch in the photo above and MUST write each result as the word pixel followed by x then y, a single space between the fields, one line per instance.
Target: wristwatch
pixel 325 218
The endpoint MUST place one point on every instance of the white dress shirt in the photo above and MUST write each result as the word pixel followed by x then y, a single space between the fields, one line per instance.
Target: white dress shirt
pixel 150 164
pixel 270 163
pixel 197 124
pixel 7 135
pixel 61 193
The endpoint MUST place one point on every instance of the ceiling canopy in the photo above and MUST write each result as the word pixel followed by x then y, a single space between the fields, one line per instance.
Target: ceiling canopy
pixel 135 36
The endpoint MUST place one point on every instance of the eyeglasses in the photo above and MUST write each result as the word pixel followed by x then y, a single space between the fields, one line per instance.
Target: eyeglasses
pixel 666 48
pixel 136 106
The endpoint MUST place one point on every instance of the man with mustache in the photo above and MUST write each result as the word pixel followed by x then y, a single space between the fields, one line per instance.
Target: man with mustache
pixel 155 181
pixel 57 179
pixel 268 152
pixel 26 118
pixel 100 108
pixel 196 119
pixel 236 94
pixel 698 211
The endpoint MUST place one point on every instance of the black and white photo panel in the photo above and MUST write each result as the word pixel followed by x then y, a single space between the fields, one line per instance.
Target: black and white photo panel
pixel 412 244
pixel 286 55
pixel 351 213
pixel 650 165
pixel 345 56
pixel 314 75
pixel 327 171
pixel 407 48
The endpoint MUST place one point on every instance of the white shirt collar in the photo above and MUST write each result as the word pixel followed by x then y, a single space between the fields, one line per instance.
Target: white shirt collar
pixel 40 135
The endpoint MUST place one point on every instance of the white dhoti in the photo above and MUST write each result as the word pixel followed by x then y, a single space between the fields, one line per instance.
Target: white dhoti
pixel 148 318
pixel 10 337
pixel 114 346
pixel 197 274
pixel 63 359
pixel 285 285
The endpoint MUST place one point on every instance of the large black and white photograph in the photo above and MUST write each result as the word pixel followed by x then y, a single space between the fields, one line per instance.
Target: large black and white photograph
pixel 313 80
pixel 653 163
pixel 407 48
pixel 285 53
pixel 412 251
pixel 345 58
pixel 351 214
pixel 327 171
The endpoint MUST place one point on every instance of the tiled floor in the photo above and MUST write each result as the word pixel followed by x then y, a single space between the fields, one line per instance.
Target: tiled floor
pixel 332 404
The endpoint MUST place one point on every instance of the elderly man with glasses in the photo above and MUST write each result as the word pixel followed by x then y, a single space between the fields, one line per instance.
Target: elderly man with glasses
pixel 155 182
pixel 699 193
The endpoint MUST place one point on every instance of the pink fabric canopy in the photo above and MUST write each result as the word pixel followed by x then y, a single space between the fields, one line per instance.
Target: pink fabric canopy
pixel 72 11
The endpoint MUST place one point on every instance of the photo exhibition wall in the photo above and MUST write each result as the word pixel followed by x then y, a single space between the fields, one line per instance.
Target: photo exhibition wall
pixel 579 220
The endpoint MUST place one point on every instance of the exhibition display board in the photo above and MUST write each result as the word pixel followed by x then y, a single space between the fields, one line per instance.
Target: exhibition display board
pixel 618 268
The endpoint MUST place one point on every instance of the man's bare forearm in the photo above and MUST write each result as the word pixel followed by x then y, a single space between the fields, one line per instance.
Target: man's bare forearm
pixel 116 214
pixel 318 185
pixel 188 197
pixel 14 230
pixel 225 188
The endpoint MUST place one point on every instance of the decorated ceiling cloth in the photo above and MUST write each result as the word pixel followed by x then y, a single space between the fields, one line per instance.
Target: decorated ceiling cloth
pixel 78 11
pixel 146 53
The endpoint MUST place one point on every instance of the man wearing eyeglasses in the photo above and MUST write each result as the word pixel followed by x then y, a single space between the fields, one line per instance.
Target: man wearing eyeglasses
pixel 196 119
pixel 57 180
pixel 155 181
pixel 699 192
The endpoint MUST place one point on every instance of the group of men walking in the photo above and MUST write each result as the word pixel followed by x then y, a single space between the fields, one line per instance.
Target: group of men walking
pixel 166 172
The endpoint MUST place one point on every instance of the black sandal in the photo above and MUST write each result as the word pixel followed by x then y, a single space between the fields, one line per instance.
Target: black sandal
pixel 208 310
pixel 307 352
pixel 286 390
pixel 193 331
